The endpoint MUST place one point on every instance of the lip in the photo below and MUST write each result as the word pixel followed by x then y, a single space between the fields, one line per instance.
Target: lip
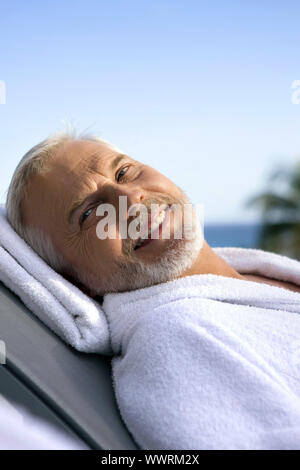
pixel 166 208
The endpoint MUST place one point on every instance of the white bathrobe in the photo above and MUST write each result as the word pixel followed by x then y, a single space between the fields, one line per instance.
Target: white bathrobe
pixel 210 362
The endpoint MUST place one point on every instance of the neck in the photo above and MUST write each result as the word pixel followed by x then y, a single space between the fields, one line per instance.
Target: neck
pixel 208 262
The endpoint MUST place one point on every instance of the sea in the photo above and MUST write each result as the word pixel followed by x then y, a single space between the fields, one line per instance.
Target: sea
pixel 239 235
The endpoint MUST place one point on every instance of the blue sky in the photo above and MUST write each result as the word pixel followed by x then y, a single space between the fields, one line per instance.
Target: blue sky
pixel 199 90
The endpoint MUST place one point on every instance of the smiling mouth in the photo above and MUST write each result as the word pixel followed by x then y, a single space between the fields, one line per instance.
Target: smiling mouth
pixel 156 224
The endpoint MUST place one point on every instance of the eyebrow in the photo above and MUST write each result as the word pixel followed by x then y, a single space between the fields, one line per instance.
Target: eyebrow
pixel 92 166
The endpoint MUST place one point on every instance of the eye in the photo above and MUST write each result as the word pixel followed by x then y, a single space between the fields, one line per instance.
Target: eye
pixel 120 172
pixel 85 215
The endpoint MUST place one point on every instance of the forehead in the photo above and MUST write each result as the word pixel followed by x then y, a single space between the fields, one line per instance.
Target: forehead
pixel 73 163
pixel 73 157
pixel 51 192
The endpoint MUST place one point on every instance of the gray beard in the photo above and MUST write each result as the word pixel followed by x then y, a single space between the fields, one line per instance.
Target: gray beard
pixel 130 274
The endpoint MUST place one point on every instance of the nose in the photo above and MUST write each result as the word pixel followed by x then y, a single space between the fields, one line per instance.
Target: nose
pixel 135 195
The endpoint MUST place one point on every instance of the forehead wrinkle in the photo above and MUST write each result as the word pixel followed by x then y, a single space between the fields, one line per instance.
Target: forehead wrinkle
pixel 91 167
pixel 90 164
pixel 85 188
pixel 93 163
pixel 85 168
pixel 84 182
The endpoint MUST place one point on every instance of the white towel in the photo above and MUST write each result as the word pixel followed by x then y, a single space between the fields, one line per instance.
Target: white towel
pixel 210 362
pixel 75 317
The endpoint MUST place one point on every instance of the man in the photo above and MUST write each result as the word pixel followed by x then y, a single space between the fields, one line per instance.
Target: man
pixel 204 359
pixel 52 202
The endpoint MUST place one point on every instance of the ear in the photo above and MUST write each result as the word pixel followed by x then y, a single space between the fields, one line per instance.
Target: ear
pixel 82 287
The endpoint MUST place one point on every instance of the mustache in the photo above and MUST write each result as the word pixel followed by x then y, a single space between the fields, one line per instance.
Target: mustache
pixel 129 243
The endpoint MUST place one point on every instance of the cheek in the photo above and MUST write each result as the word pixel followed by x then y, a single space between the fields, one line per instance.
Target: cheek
pixel 161 183
pixel 107 249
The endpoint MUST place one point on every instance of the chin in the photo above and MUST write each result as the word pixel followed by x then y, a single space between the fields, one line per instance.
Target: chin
pixel 165 264
pixel 178 256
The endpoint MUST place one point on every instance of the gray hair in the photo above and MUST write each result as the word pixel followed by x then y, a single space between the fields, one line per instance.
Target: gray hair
pixel 35 162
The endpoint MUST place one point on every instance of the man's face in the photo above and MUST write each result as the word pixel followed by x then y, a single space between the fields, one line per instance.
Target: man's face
pixel 91 173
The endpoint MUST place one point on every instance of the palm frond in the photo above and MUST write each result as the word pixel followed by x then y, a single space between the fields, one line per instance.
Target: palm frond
pixel 268 201
pixel 280 212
